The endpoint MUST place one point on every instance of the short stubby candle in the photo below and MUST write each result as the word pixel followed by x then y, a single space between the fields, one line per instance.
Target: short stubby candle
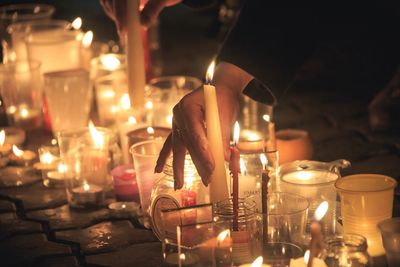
pixel 125 186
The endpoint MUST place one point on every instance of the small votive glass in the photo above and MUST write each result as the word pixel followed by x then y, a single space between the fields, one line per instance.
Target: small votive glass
pixel 191 237
pixel 366 200
pixel 279 254
pixel 85 155
pixel 21 89
pixel 49 157
pixel 68 97
pixel 145 156
pixel 390 231
pixel 245 232
pixel 106 64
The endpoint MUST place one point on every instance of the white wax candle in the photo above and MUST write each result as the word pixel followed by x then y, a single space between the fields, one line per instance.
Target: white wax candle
pixel 87 194
pixel 219 185
pixel 135 55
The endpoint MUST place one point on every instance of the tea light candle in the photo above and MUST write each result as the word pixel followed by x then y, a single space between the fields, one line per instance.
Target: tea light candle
pixel 123 209
pixel 88 194
pixel 303 261
pixel 5 149
pixel 27 118
pixel 256 263
pixel 185 259
pixel 14 136
pixel 86 51
pixel 22 157
pixel 147 133
pixel 251 141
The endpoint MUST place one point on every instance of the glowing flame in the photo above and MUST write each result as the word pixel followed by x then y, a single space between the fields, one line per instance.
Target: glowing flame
pixel 243 169
pixel 123 206
pixel 17 152
pixel 125 102
pixel 169 119
pixel 253 137
pixel 148 105
pixel 97 137
pixel 87 39
pixel 210 72
pixel 132 120
pixel 24 113
pixel 2 137
pixel 150 130
pixel 182 257
pixel 257 262
pixel 304 175
pixel 236 133
pixel 47 158
pixel 223 235
pixel 62 168
pixel 306 256
pixel 77 23
pixel 321 210
pixel 86 187
pixel 54 141
pixel 264 161
pixel 267 118
pixel 110 62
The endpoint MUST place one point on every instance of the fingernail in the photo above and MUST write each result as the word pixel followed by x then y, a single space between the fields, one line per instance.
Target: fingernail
pixel 175 185
pixel 158 169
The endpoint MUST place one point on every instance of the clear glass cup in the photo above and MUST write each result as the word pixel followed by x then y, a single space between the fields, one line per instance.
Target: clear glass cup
pixel 58 51
pixel 145 156
pixel 346 250
pixel 106 64
pixel 191 237
pixel 390 231
pixel 280 254
pixel 85 156
pixel 287 218
pixel 164 93
pixel 21 89
pixel 68 97
pixel 17 13
pixel 17 33
pixel 366 200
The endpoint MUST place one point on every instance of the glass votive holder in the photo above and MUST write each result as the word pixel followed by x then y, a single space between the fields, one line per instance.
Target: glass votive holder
pixel 57 51
pixel 49 157
pixel 125 185
pixel 20 30
pixel 366 200
pixel 68 97
pixel 390 231
pixel 147 133
pixel 191 237
pixel 277 254
pixel 245 230
pixel 23 158
pixel 145 156
pixel 85 156
pixel 106 64
pixel 18 13
pixel 21 89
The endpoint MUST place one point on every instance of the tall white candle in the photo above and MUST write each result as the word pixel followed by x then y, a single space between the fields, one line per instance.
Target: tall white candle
pixel 219 185
pixel 135 55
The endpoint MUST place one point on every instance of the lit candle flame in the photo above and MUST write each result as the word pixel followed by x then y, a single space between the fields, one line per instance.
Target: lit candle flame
pixel 132 120
pixel 148 105
pixel 267 118
pixel 264 161
pixel 24 113
pixel 150 130
pixel 47 158
pixel 2 137
pixel 210 72
pixel 306 256
pixel 123 206
pixel 182 257
pixel 77 23
pixel 125 102
pixel 223 235
pixel 17 152
pixel 257 262
pixel 236 133
pixel 110 62
pixel 304 175
pixel 243 169
pixel 86 187
pixel 97 137
pixel 54 141
pixel 321 210
pixel 87 39
pixel 62 168
pixel 253 137
pixel 169 119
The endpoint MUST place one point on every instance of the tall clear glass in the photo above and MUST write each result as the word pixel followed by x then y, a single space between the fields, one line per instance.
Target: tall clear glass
pixel 68 97
pixel 21 88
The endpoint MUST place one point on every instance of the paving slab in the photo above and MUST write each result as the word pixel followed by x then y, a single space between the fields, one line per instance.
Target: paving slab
pixel 36 196
pixel 65 217
pixel 57 261
pixel 143 255
pixel 10 224
pixel 6 206
pixel 23 250
pixel 106 236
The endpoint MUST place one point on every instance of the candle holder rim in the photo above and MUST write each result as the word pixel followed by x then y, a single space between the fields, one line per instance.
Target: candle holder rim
pixel 356 240
pixel 49 10
pixel 16 26
pixel 391 185
pixel 173 77
pixel 386 222
pixel 11 66
pixel 133 152
pixel 290 194
pixel 73 133
pixel 56 38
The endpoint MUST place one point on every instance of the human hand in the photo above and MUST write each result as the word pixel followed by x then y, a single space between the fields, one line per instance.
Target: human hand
pixel 116 10
pixel 188 129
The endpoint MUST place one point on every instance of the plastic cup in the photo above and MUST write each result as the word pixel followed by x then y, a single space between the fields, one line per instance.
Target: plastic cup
pixel 145 156
pixel 390 231
pixel 366 200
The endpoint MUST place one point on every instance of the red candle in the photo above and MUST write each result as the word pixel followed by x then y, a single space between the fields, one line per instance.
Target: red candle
pixel 188 198
pixel 125 186
pixel 234 168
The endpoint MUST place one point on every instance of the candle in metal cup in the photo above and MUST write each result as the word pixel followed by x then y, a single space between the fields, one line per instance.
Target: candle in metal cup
pixel 22 157
pixel 88 195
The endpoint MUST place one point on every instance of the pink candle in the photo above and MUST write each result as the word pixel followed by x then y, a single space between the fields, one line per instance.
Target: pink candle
pixel 188 198
pixel 125 186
